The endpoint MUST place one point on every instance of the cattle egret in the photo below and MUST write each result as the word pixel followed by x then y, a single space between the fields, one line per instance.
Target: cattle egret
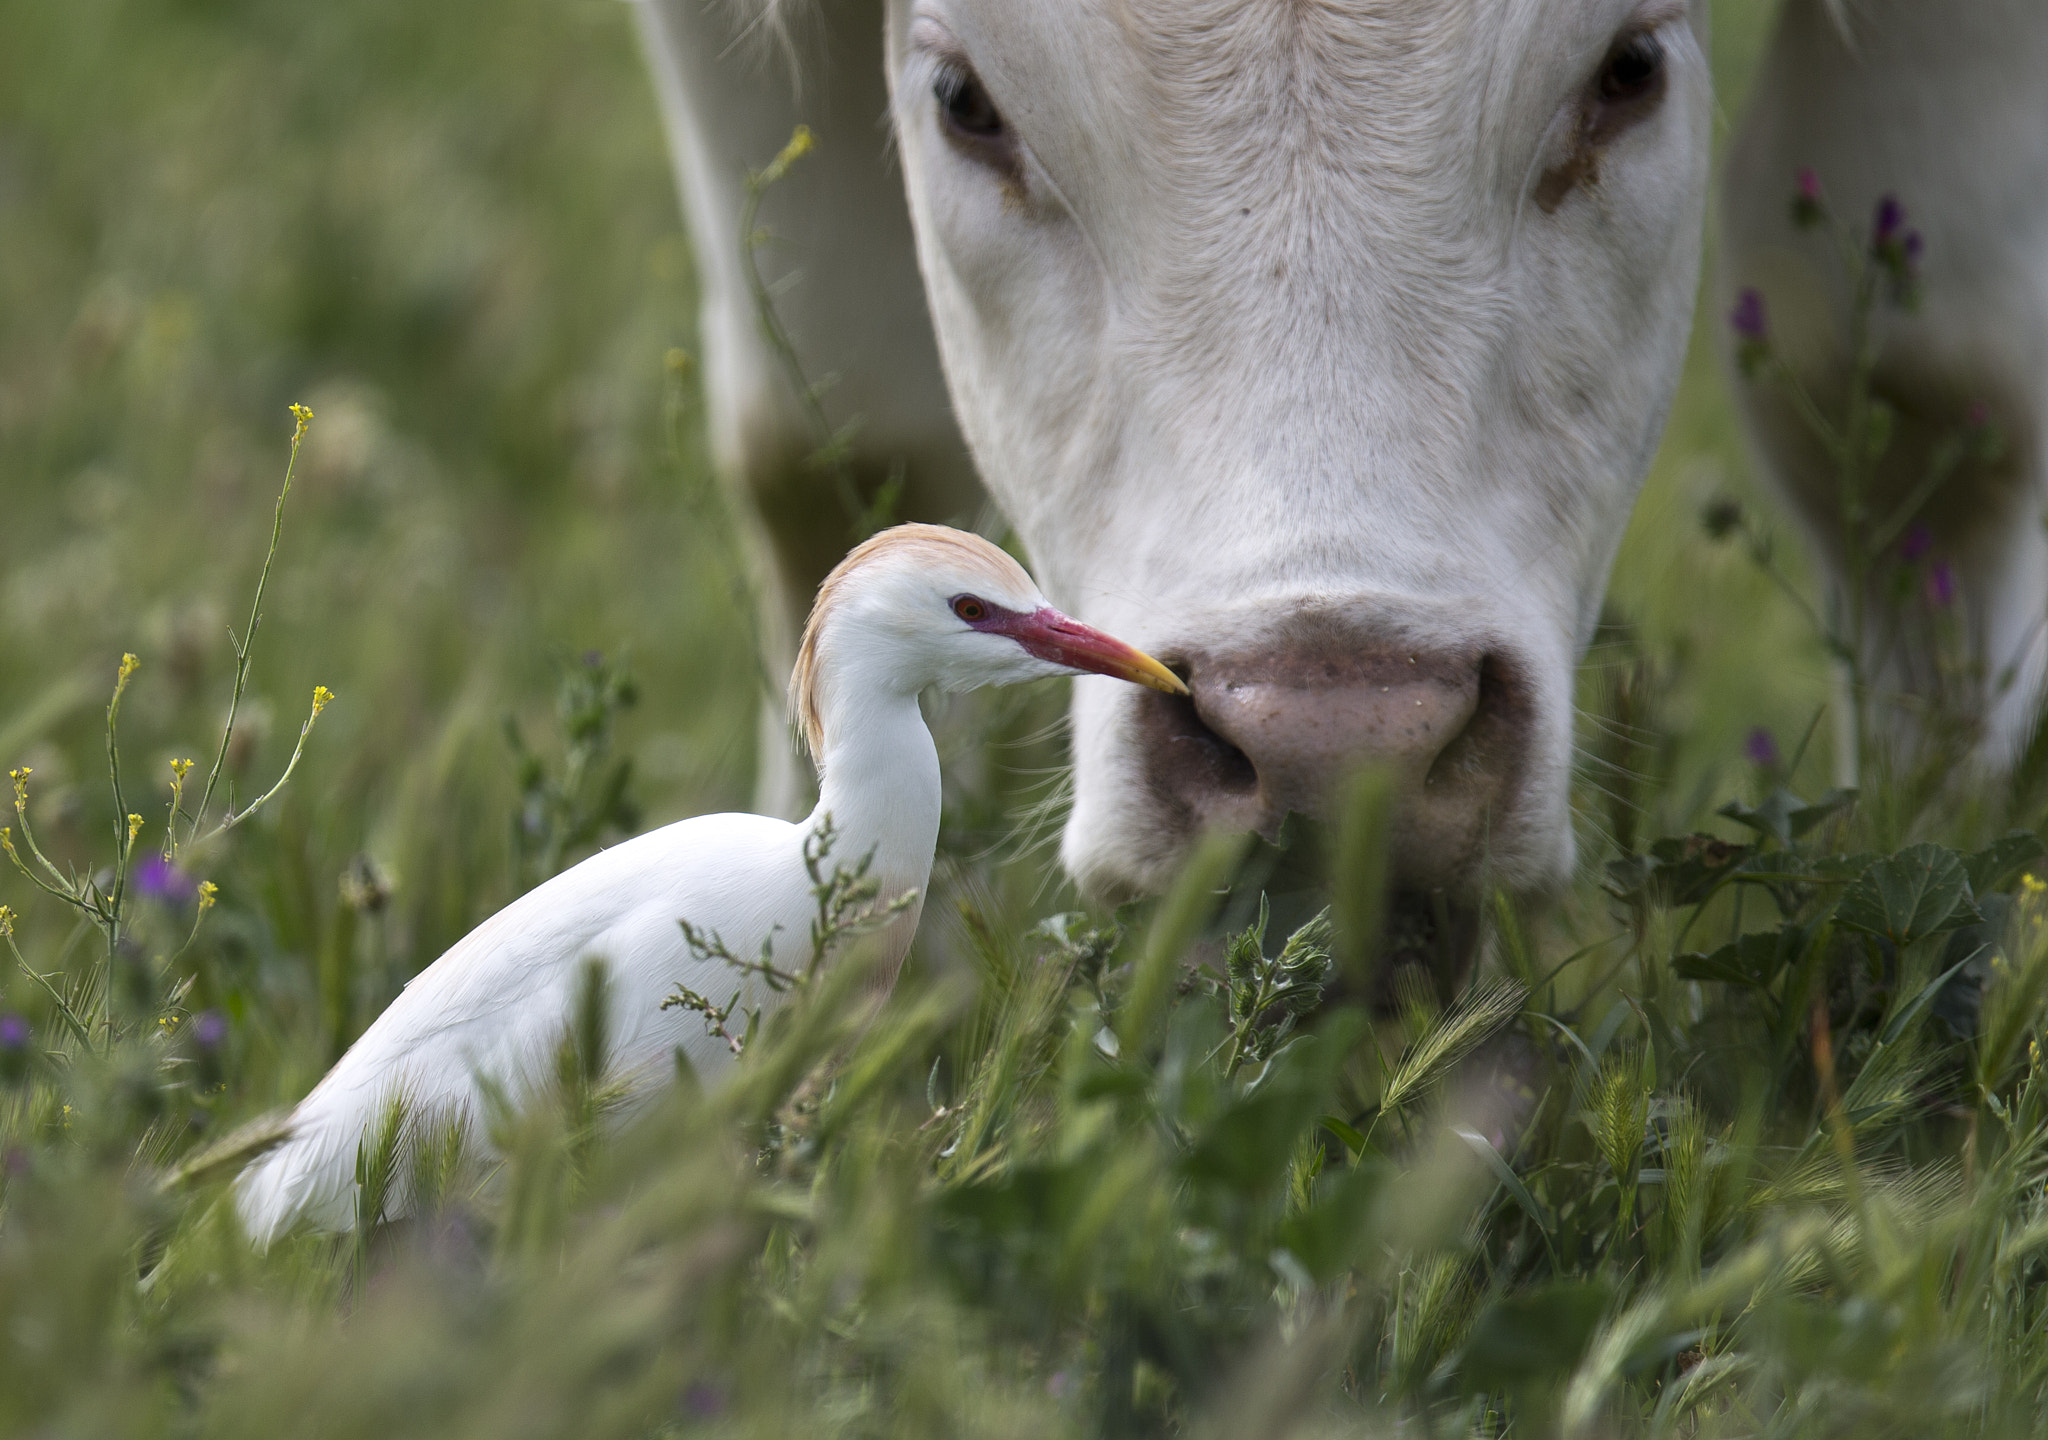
pixel 915 606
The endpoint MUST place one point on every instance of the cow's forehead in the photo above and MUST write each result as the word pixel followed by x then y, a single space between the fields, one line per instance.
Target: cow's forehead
pixel 1149 114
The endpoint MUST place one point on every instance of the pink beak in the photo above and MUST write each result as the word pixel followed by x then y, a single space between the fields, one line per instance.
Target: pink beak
pixel 1055 637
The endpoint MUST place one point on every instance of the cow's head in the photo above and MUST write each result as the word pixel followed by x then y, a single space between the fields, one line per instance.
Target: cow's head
pixel 1319 346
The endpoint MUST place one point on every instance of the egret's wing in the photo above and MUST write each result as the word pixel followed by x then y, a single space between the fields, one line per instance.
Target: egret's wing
pixel 496 1003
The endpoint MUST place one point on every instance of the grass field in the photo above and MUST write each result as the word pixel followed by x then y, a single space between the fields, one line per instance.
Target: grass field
pixel 1742 1137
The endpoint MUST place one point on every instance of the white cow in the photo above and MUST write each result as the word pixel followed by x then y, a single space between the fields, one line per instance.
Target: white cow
pixel 1942 105
pixel 1320 346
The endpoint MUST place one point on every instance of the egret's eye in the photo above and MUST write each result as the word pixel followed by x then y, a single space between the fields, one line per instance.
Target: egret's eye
pixel 969 608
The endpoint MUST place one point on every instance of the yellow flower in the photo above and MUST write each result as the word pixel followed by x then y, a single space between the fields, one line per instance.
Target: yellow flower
pixel 20 779
pixel 129 665
pixel 134 827
pixel 321 695
pixel 208 893
pixel 304 417
pixel 2032 885
pixel 180 769
pixel 800 142
pixel 6 922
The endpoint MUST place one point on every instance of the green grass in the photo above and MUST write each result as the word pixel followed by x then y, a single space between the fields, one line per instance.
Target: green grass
pixel 1083 1175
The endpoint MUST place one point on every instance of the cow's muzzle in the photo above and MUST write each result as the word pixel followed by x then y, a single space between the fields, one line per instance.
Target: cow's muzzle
pixel 1281 727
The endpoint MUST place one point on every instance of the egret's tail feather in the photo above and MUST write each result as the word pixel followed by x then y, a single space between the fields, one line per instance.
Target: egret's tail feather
pixel 337 1152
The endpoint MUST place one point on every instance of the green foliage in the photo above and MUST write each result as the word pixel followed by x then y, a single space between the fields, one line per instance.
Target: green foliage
pixel 1744 1134
pixel 850 904
pixel 1265 997
pixel 566 814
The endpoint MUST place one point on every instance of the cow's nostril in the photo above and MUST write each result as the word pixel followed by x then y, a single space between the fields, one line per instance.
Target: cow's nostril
pixel 1280 728
pixel 1304 720
pixel 1186 757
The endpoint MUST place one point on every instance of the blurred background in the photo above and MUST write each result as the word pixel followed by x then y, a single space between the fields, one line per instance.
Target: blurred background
pixel 451 231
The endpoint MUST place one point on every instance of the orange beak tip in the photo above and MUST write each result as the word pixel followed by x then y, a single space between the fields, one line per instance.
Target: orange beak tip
pixel 1052 636
pixel 1164 680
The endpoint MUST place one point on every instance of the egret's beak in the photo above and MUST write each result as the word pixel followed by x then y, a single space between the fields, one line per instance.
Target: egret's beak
pixel 1052 636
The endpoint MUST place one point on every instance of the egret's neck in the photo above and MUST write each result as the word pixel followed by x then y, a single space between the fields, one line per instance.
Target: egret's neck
pixel 880 785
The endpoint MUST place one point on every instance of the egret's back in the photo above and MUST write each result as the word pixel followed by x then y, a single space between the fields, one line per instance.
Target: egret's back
pixel 494 1008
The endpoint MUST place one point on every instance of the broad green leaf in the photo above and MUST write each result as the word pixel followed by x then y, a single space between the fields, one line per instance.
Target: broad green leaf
pixel 1754 959
pixel 1918 892
pixel 2000 863
pixel 1629 877
pixel 1680 870
pixel 1534 1337
pixel 1841 869
pixel 1785 816
pixel 1773 817
pixel 1834 803
pixel 1247 1147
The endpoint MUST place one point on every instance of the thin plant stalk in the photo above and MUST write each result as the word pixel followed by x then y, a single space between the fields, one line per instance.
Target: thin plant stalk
pixel 244 646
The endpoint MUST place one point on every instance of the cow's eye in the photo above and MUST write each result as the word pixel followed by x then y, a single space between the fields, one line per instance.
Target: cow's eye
pixel 970 608
pixel 966 105
pixel 972 122
pixel 1628 89
pixel 1634 69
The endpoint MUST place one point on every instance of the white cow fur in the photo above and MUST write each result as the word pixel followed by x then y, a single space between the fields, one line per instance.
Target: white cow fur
pixel 1270 320
pixel 1945 106
pixel 847 290
pixel 1276 320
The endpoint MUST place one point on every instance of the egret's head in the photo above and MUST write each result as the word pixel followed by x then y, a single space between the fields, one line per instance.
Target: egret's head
pixel 922 605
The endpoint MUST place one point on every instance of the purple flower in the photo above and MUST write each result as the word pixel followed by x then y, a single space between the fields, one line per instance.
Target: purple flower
pixel 1897 250
pixel 1762 748
pixel 1919 540
pixel 209 1028
pixel 1748 317
pixel 13 1032
pixel 1807 209
pixel 159 879
pixel 1941 585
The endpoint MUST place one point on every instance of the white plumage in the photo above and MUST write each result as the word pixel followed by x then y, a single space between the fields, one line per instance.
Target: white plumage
pixel 916 606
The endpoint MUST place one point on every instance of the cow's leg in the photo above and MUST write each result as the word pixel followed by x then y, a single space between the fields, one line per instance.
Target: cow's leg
pixel 1944 107
pixel 844 274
